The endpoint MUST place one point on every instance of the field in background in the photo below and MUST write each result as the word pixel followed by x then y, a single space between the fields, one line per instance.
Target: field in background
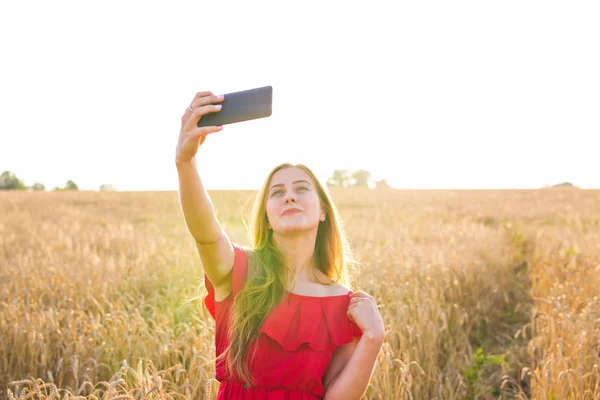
pixel 98 293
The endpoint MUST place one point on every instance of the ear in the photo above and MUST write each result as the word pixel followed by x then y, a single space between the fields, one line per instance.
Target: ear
pixel 322 218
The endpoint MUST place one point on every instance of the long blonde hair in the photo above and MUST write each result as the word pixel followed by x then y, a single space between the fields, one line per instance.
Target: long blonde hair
pixel 267 274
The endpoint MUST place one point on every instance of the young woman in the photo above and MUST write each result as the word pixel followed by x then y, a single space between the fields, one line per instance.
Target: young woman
pixel 286 326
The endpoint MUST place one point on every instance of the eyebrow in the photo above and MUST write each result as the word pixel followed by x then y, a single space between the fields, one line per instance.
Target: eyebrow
pixel 281 184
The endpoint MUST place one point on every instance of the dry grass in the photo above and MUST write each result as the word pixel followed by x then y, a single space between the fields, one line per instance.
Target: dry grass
pixel 92 284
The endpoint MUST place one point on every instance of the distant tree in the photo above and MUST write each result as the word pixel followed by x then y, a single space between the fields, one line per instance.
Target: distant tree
pixel 340 178
pixel 9 181
pixel 38 187
pixel 382 184
pixel 71 185
pixel 361 178
pixel 107 188
pixel 564 184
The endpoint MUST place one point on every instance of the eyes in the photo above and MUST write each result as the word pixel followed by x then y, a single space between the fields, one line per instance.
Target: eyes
pixel 300 188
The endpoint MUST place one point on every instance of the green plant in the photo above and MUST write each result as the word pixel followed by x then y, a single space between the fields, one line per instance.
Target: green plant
pixel 473 372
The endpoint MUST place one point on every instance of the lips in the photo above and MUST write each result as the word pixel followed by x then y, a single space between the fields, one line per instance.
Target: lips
pixel 291 211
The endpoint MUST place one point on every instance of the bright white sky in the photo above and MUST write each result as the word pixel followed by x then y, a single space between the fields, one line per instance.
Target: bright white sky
pixel 425 94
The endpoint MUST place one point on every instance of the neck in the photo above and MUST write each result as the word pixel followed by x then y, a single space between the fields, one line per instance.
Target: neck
pixel 298 251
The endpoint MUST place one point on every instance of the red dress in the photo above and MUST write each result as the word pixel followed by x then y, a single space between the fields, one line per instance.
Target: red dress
pixel 295 343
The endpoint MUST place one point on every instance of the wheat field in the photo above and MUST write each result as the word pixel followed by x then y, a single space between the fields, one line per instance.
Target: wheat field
pixel 484 294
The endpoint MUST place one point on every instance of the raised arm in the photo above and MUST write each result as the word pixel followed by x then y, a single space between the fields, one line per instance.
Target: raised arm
pixel 214 247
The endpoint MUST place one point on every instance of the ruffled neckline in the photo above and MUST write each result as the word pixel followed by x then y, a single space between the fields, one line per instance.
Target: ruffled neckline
pixel 319 297
pixel 320 322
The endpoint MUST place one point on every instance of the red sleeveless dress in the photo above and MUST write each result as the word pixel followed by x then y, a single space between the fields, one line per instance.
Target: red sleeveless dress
pixel 294 346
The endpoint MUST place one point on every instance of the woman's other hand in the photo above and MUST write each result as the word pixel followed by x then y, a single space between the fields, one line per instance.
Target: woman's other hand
pixel 190 136
pixel 364 313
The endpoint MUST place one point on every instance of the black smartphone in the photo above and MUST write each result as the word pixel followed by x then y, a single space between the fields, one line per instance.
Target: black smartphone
pixel 241 106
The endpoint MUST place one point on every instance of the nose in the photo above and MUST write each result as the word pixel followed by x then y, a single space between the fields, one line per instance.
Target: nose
pixel 290 197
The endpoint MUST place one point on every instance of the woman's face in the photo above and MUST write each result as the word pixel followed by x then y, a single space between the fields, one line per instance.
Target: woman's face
pixel 289 189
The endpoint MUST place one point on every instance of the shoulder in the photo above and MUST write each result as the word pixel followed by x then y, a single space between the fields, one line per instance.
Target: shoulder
pixel 337 289
pixel 325 286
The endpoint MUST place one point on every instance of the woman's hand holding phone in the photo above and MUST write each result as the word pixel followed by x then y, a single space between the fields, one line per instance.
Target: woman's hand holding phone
pixel 191 137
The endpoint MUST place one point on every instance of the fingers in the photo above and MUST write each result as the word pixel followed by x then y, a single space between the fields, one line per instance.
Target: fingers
pixel 197 96
pixel 203 110
pixel 361 294
pixel 205 100
pixel 198 112
pixel 201 95
pixel 359 297
pixel 201 99
pixel 355 301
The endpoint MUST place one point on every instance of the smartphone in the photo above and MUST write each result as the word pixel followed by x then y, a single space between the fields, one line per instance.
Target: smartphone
pixel 241 106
